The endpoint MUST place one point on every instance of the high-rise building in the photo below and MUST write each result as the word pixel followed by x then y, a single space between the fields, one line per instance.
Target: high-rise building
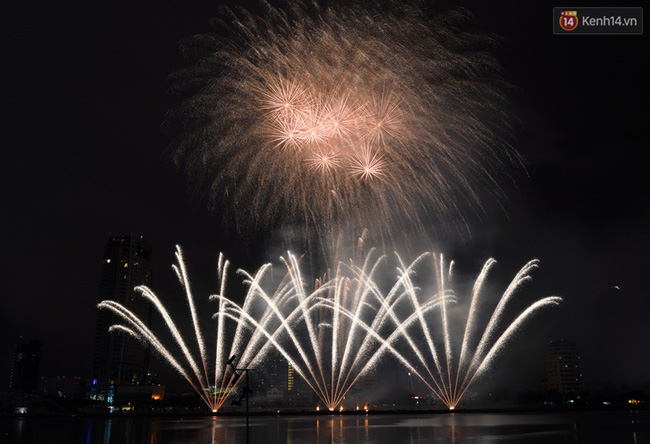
pixel 563 369
pixel 24 366
pixel 118 358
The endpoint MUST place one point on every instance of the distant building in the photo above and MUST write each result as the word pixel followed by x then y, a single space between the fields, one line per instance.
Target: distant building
pixel 269 380
pixel 274 373
pixel 364 390
pixel 140 395
pixel 563 369
pixel 274 396
pixel 73 387
pixel 299 394
pixel 277 383
pixel 119 359
pixel 25 362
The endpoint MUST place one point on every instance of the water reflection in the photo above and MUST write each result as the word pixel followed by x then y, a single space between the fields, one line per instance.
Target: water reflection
pixel 20 425
pixel 89 431
pixel 108 426
pixel 214 431
pixel 588 427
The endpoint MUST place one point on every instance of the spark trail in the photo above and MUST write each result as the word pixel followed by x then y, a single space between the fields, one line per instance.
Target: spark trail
pixel 336 329
pixel 446 371
pixel 206 373
pixel 330 332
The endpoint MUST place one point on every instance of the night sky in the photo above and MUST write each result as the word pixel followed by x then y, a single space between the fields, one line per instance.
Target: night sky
pixel 84 93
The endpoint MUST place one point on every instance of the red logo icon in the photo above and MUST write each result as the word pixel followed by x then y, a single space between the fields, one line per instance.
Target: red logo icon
pixel 569 20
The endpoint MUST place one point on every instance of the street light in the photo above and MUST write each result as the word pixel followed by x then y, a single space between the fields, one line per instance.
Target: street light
pixel 238 373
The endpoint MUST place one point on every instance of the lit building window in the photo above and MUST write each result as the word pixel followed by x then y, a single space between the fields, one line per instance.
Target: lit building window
pixel 290 377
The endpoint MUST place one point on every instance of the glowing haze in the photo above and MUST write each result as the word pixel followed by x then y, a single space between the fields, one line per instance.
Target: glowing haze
pixel 337 118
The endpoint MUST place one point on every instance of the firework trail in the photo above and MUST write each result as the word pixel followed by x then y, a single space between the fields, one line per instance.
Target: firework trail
pixel 329 331
pixel 335 118
pixel 336 330
pixel 206 372
pixel 446 373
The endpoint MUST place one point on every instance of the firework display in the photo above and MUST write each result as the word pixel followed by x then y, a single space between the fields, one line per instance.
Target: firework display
pixel 336 330
pixel 330 120
pixel 337 118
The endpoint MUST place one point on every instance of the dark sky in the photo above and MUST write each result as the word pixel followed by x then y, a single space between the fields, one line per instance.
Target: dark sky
pixel 83 89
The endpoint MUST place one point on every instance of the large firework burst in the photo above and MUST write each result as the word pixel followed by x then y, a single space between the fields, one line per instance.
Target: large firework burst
pixel 340 117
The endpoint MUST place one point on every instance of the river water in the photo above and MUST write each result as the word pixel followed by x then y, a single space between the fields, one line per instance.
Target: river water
pixel 456 428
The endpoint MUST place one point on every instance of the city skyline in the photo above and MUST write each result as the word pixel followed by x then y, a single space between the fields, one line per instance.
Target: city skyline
pixel 85 157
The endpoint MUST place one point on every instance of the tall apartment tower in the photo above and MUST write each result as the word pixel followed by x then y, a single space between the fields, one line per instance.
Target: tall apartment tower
pixel 563 369
pixel 24 366
pixel 118 358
